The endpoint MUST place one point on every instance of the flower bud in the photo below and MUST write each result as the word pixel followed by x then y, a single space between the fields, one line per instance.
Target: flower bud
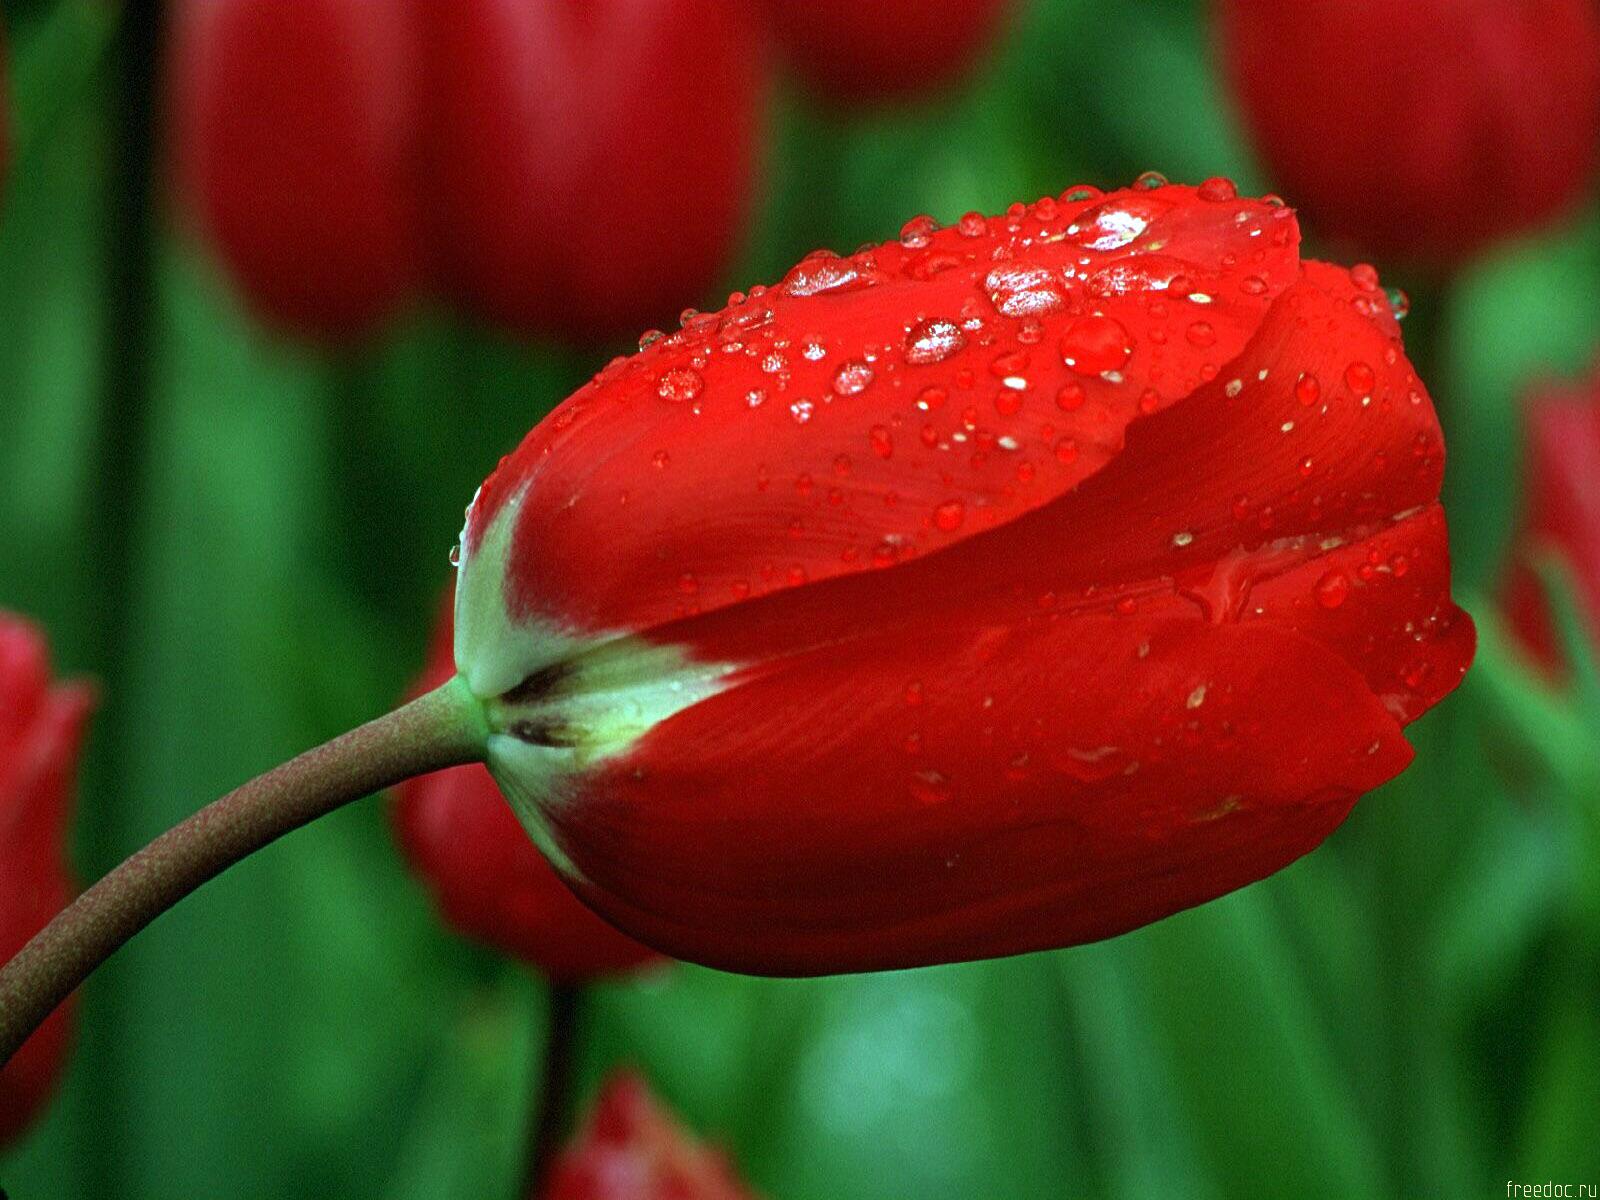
pixel 1422 130
pixel 631 1148
pixel 41 729
pixel 1005 586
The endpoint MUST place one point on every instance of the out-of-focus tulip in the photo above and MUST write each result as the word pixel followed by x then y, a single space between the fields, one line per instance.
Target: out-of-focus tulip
pixel 1561 509
pixel 293 127
pixel 41 728
pixel 632 1149
pixel 489 880
pixel 591 164
pixel 1006 586
pixel 1420 130
pixel 851 52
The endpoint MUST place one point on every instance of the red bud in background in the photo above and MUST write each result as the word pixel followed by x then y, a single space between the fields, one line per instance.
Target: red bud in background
pixel 632 1149
pixel 592 164
pixel 41 728
pixel 1425 129
pixel 1561 499
pixel 293 131
pixel 852 52
pixel 1000 588
pixel 490 882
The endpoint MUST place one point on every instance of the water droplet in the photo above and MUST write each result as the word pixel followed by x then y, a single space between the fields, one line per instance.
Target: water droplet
pixel 1252 285
pixel 1399 303
pixel 813 351
pixel 972 224
pixel 1066 451
pixel 660 459
pixel 1364 276
pixel 823 271
pixel 1217 189
pixel 881 440
pixel 918 232
pixel 931 399
pixel 1150 180
pixel 1200 333
pixel 1332 589
pixel 1182 539
pixel 1022 290
pixel 1094 344
pixel 1359 378
pixel 455 555
pixel 949 515
pixel 755 397
pixel 1307 389
pixel 933 340
pixel 801 410
pixel 1080 193
pixel 649 338
pixel 680 384
pixel 1070 397
pixel 1112 225
pixel 852 378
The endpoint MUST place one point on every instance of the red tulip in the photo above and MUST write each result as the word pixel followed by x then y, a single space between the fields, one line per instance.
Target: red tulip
pixel 490 882
pixel 632 1149
pixel 591 161
pixel 41 727
pixel 1424 129
pixel 852 52
pixel 294 133
pixel 1561 508
pixel 1004 587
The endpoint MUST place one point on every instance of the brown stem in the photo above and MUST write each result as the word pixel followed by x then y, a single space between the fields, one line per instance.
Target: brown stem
pixel 441 729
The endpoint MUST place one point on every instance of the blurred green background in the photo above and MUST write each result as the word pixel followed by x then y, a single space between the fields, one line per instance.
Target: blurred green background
pixel 244 540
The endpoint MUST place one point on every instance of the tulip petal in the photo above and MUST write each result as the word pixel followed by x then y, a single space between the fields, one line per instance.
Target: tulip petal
pixel 1049 782
pixel 873 409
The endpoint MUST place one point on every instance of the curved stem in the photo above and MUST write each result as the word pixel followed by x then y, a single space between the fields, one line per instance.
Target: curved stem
pixel 555 1085
pixel 441 729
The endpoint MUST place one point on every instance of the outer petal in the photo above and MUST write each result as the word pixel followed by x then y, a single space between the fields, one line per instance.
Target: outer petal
pixel 41 728
pixel 490 882
pixel 849 52
pixel 586 208
pixel 872 409
pixel 945 792
pixel 293 133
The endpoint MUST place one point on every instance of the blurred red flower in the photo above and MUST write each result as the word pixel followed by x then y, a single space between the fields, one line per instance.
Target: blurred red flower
pixel 1006 586
pixel 631 1148
pixel 344 155
pixel 293 127
pixel 1561 509
pixel 1420 130
pixel 857 52
pixel 489 880
pixel 41 729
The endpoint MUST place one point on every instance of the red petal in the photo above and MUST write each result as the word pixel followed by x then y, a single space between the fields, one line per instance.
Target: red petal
pixel 881 407
pixel 952 790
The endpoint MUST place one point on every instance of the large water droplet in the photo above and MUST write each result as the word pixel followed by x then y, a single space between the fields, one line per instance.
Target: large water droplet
pixel 933 340
pixel 1024 290
pixel 1093 344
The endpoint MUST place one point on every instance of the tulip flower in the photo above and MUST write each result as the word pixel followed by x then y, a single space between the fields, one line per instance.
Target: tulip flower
pixel 41 727
pixel 1003 587
pixel 1561 509
pixel 293 133
pixel 590 211
pixel 489 881
pixel 345 155
pixel 1422 130
pixel 852 53
pixel 630 1148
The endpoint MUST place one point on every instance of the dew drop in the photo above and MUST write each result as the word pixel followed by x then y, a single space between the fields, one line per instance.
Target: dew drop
pixel 852 378
pixel 1217 189
pixel 972 225
pixel 949 515
pixel 881 440
pixel 1150 180
pixel 1307 389
pixel 1332 589
pixel 933 340
pixel 1359 378
pixel 680 384
pixel 1094 344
